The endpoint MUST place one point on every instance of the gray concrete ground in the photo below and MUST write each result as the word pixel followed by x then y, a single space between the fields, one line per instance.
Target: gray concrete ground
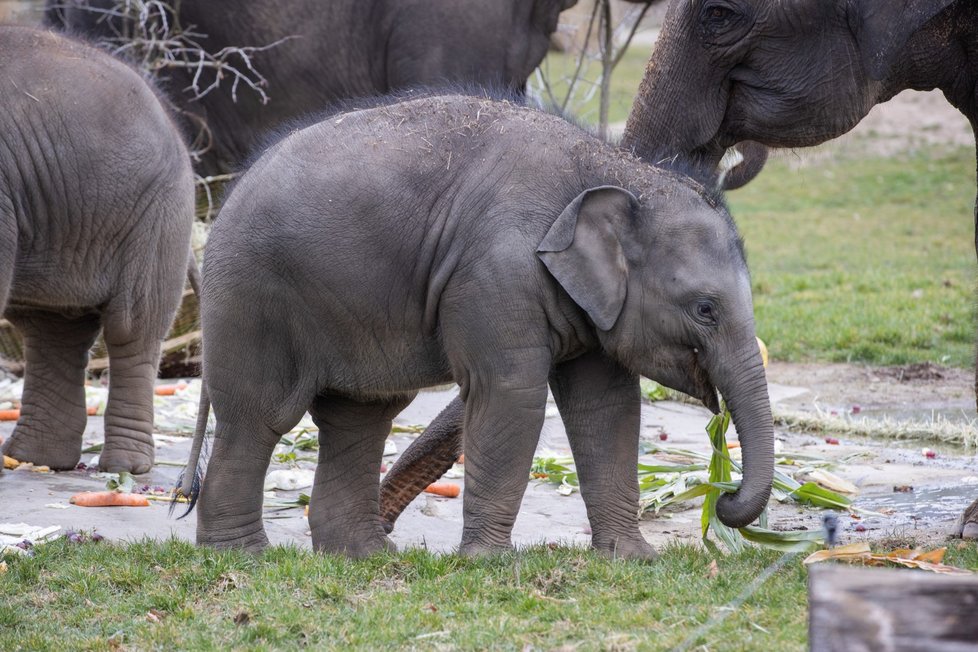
pixel 942 486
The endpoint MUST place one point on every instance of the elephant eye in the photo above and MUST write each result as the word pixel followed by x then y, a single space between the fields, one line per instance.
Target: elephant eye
pixel 705 310
pixel 718 13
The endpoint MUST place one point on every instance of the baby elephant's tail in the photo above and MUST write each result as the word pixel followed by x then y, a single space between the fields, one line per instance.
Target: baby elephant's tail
pixel 188 485
pixel 190 479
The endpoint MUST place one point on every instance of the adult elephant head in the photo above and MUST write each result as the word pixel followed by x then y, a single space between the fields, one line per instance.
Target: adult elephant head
pixel 789 74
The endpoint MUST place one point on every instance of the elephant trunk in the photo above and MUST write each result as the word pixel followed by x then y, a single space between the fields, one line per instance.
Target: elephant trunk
pixel 745 391
pixel 661 125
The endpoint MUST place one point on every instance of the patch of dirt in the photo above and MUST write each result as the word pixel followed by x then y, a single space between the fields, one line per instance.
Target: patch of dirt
pixel 918 386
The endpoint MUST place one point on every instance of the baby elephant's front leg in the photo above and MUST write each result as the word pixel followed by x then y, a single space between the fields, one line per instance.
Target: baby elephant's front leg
pixel 502 426
pixel 600 405
pixel 344 511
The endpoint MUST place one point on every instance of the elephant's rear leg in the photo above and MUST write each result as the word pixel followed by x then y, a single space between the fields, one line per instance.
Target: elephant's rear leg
pixel 52 417
pixel 229 512
pixel 344 514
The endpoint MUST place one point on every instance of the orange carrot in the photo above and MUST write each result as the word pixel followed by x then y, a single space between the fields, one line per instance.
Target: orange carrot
pixel 733 444
pixel 461 459
pixel 9 415
pixel 446 489
pixel 108 499
pixel 169 390
pixel 91 410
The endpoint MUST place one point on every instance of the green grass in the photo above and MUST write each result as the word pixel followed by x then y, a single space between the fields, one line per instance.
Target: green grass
pixel 864 259
pixel 100 597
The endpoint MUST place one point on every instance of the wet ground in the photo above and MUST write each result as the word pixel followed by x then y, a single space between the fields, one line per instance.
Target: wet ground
pixel 932 490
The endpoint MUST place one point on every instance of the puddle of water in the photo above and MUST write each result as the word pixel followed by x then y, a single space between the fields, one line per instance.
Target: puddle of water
pixel 920 507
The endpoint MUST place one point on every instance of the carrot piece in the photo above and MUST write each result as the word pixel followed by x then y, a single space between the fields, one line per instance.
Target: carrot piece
pixel 461 459
pixel 733 444
pixel 108 499
pixel 446 489
pixel 91 410
pixel 9 415
pixel 165 390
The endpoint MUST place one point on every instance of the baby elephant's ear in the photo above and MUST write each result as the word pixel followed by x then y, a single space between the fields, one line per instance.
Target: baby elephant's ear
pixel 583 251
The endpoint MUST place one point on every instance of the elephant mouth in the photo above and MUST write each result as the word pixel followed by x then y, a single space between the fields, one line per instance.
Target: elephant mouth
pixel 705 390
pixel 691 378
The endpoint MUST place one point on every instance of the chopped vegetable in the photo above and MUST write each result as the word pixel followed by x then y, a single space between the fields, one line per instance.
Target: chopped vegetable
pixel 10 415
pixel 446 489
pixel 108 499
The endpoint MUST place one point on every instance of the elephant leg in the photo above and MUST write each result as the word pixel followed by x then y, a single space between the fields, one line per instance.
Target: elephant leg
pixel 967 525
pixel 52 417
pixel 599 403
pixel 425 460
pixel 345 504
pixel 229 510
pixel 134 356
pixel 503 418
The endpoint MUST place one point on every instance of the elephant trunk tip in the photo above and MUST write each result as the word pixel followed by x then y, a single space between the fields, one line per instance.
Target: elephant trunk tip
pixel 736 512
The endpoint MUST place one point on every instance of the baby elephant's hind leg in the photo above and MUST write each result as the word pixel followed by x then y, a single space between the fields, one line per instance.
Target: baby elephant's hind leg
pixel 344 514
pixel 53 417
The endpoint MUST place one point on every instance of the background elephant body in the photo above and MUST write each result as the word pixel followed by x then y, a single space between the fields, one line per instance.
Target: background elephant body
pixel 96 204
pixel 385 250
pixel 339 49
pixel 798 74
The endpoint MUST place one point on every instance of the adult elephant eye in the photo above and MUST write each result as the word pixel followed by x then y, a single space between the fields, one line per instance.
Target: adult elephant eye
pixel 722 22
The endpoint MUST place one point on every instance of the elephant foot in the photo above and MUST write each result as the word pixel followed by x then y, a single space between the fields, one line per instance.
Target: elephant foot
pixel 967 525
pixel 355 549
pixel 254 542
pixel 25 447
pixel 476 550
pixel 634 548
pixel 134 457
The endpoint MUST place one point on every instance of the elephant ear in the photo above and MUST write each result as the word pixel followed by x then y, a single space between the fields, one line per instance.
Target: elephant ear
pixel 883 28
pixel 583 251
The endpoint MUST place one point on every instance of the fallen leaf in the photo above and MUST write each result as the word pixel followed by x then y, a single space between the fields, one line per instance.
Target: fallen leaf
pixel 10 463
pixel 154 616
pixel 860 553
pixel 3 567
pixel 842 553
pixel 712 570
pixel 832 481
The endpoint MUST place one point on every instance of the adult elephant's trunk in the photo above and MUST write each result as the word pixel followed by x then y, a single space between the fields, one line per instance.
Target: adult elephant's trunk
pixel 676 113
pixel 680 106
pixel 744 388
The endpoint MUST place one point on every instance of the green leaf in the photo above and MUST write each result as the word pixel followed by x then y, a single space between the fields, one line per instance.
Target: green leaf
pixel 653 391
pixel 123 483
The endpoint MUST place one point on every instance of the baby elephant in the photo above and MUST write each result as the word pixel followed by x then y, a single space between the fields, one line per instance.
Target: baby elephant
pixel 96 206
pixel 459 238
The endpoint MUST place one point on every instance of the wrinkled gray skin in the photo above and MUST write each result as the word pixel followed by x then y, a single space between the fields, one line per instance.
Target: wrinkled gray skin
pixel 797 74
pixel 345 49
pixel 458 238
pixel 96 205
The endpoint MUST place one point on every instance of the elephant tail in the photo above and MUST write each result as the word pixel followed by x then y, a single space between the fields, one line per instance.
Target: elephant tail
pixel 424 461
pixel 193 274
pixel 188 485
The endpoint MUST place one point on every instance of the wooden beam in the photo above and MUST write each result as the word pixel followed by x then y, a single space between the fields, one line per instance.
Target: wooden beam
pixel 855 609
